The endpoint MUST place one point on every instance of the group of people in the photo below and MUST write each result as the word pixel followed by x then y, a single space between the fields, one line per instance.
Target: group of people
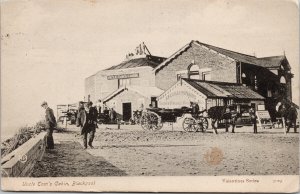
pixel 87 120
pixel 288 113
pixel 108 112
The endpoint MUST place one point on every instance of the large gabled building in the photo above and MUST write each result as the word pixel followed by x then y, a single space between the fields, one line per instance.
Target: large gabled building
pixel 269 77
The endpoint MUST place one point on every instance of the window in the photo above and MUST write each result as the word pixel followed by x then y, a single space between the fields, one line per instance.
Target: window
pixel 193 71
pixel 123 82
pixel 269 93
pixel 282 80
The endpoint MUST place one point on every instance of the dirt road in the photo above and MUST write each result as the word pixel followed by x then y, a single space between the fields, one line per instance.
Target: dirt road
pixel 165 153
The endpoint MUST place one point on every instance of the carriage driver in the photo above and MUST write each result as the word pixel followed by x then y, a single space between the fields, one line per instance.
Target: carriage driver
pixel 195 109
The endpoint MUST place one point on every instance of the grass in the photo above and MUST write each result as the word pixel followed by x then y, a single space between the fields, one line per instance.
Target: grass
pixel 22 136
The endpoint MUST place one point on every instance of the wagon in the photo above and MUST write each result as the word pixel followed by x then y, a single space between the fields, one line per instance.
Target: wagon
pixel 154 118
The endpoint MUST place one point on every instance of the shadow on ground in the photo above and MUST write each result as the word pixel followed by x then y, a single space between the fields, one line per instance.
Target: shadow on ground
pixel 68 159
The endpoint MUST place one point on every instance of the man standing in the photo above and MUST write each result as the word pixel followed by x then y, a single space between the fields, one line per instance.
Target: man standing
pixel 99 105
pixel 80 106
pixel 112 115
pixel 292 119
pixel 50 124
pixel 87 121
pixel 253 117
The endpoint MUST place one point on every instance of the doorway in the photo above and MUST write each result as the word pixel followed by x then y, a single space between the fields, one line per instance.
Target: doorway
pixel 126 111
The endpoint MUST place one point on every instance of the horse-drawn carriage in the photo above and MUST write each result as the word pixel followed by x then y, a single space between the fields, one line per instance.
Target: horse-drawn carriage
pixel 154 118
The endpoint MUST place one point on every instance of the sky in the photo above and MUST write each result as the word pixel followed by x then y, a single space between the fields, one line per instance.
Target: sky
pixel 48 47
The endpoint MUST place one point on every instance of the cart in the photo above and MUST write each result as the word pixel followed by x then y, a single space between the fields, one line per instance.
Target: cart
pixel 154 118
pixel 67 113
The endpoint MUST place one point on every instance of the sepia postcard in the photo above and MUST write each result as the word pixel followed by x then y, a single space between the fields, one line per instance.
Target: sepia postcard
pixel 150 95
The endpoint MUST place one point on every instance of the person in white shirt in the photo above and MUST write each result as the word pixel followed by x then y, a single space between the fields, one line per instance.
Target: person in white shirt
pixel 99 105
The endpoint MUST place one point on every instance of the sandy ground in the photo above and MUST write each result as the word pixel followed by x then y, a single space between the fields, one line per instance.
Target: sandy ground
pixel 68 159
pixel 133 152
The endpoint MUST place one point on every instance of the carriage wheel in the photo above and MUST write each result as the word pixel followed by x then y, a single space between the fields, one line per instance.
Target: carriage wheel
pixel 204 123
pixel 151 121
pixel 190 125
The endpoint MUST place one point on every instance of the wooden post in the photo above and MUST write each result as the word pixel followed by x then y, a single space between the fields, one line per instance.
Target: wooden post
pixel 65 121
pixel 283 125
pixel 119 126
pixel 259 121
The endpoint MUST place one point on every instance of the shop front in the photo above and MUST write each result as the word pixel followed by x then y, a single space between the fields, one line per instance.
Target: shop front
pixel 128 99
pixel 208 94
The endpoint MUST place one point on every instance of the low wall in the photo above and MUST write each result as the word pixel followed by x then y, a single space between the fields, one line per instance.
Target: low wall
pixel 20 162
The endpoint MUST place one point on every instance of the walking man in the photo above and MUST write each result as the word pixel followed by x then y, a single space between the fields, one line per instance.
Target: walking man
pixel 87 121
pixel 50 125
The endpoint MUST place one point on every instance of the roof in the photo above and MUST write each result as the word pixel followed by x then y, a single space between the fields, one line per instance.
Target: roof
pixel 274 61
pixel 173 56
pixel 143 91
pixel 214 89
pixel 266 62
pixel 149 60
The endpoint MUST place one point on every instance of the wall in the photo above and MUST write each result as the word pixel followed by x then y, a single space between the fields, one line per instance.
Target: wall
pixel 103 87
pixel 89 87
pixel 20 162
pixel 219 64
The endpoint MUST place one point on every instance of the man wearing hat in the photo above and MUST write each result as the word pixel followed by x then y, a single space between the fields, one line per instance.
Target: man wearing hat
pixel 87 121
pixel 50 125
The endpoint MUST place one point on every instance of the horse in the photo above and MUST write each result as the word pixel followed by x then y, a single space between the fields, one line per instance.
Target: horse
pixel 227 113
pixel 288 113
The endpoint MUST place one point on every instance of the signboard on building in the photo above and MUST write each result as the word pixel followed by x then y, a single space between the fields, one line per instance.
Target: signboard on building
pixel 179 96
pixel 123 76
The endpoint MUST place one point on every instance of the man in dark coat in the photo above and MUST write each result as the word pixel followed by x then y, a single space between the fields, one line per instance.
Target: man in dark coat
pixel 50 125
pixel 253 117
pixel 87 121
pixel 291 118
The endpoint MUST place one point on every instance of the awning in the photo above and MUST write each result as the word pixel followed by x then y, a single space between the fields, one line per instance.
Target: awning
pixel 214 89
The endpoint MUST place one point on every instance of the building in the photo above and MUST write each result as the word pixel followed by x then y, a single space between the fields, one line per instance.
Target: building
pixel 269 77
pixel 129 98
pixel 127 86
pixel 208 94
